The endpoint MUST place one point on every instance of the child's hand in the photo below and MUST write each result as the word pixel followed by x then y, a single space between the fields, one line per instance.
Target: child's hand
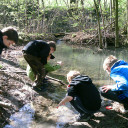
pixel 61 103
pixel 65 100
pixel 60 63
pixel 105 88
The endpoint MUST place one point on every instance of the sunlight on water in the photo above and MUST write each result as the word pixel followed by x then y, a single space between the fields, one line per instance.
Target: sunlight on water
pixel 66 114
pixel 23 118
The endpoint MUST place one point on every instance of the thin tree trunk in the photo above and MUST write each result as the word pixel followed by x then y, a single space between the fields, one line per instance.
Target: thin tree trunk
pixel 43 17
pixel 43 3
pixel 25 23
pixel 56 3
pixel 127 21
pixel 99 30
pixel 111 12
pixel 116 25
pixel 38 20
pixel 18 13
pixel 105 44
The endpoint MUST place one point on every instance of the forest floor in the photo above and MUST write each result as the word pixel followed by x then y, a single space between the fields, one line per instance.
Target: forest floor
pixel 16 90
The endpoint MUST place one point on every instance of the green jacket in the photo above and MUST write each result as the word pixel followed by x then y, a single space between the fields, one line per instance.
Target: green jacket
pixel 48 67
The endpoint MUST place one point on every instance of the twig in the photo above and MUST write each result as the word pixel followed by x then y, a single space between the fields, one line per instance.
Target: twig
pixel 55 80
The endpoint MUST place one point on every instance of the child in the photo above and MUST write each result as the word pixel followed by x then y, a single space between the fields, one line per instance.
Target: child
pixel 37 53
pixel 8 37
pixel 118 71
pixel 83 95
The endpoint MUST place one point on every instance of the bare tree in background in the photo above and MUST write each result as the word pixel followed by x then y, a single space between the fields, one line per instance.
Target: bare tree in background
pixel 98 18
pixel 116 25
pixel 111 13
pixel 127 21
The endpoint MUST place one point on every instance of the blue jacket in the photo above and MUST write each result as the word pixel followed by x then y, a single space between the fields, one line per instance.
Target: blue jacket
pixel 1 43
pixel 119 73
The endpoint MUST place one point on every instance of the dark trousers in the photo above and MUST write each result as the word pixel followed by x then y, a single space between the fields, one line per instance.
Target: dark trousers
pixel 115 96
pixel 37 67
pixel 77 104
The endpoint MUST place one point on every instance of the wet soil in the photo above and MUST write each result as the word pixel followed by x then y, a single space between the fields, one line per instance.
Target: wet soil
pixel 16 89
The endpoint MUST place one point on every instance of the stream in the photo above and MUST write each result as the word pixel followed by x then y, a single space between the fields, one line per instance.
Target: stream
pixel 89 61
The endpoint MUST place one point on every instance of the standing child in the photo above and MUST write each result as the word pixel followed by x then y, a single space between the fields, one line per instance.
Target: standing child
pixel 37 53
pixel 118 71
pixel 83 95
pixel 8 37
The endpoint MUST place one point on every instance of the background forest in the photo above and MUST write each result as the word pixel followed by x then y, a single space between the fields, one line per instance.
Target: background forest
pixel 103 18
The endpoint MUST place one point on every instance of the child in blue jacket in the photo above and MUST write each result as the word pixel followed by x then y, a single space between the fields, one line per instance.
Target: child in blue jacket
pixel 118 71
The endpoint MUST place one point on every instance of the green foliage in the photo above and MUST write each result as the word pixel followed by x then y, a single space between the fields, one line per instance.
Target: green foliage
pixel 1 66
pixel 54 16
pixel 73 35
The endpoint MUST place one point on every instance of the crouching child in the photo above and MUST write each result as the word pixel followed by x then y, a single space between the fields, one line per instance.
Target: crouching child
pixel 82 95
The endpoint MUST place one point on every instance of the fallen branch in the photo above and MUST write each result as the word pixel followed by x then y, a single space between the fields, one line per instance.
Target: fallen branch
pixel 5 105
pixel 55 80
pixel 98 33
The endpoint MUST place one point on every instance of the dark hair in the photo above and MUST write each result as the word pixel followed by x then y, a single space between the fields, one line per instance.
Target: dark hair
pixel 11 33
pixel 52 44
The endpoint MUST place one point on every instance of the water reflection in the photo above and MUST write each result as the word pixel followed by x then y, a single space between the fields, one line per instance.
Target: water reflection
pixel 88 61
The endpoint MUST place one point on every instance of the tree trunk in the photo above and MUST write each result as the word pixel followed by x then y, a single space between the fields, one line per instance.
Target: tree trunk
pixel 38 19
pixel 105 43
pixel 82 2
pixel 116 25
pixel 42 1
pixel 99 30
pixel 127 21
pixel 111 12
pixel 25 12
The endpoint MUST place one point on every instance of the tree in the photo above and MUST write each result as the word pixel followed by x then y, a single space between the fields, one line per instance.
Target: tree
pixel 116 25
pixel 127 21
pixel 98 18
pixel 111 12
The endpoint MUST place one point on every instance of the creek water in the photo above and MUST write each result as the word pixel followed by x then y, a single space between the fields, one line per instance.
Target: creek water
pixel 89 61
pixel 23 118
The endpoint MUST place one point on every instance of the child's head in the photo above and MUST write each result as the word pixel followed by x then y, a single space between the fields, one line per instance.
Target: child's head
pixel 108 63
pixel 71 75
pixel 10 36
pixel 52 45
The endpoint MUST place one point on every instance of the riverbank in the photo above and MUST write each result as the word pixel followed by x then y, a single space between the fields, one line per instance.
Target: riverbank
pixel 75 38
pixel 16 90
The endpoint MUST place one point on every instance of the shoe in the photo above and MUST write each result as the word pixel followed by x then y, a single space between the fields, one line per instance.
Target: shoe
pixel 45 80
pixel 41 88
pixel 85 117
